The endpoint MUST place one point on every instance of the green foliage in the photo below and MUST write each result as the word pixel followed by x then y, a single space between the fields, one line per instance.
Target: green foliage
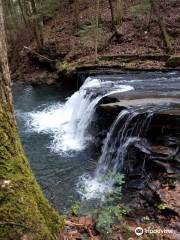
pixel 161 206
pixel 104 222
pixel 74 209
pixel 111 211
pixel 63 66
pixel 108 216
pixel 118 181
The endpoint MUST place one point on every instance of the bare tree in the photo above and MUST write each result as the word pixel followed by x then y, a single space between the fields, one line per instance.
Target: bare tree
pixel 37 25
pixel 97 31
pixel 117 35
pixel 161 23
pixel 76 12
pixel 119 11
pixel 112 15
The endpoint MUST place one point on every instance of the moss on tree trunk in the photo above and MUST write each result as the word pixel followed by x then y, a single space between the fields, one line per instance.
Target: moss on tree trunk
pixel 24 212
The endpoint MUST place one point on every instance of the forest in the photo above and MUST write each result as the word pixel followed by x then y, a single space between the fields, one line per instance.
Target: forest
pixel 89 119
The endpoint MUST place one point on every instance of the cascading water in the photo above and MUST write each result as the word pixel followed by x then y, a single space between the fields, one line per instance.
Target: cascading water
pixel 128 128
pixel 69 122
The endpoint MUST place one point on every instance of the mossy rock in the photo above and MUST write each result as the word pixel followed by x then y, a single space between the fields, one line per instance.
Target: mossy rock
pixel 173 61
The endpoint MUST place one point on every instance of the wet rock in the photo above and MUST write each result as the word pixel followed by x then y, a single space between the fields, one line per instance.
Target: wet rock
pixel 136 184
pixel 123 104
pixel 173 61
pixel 162 150
pixel 168 141
pixel 111 107
pixel 143 146
pixel 165 166
pixel 153 186
pixel 148 196
pixel 135 174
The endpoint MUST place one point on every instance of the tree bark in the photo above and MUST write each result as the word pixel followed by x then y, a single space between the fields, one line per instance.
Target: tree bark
pixel 119 12
pixel 37 25
pixel 97 31
pixel 116 35
pixel 76 12
pixel 22 202
pixel 24 16
pixel 112 15
pixel 162 25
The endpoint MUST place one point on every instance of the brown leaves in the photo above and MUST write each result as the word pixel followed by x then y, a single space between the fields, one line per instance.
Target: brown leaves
pixel 75 228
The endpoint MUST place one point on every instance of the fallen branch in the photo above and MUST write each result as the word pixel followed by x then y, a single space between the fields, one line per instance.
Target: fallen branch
pixel 39 55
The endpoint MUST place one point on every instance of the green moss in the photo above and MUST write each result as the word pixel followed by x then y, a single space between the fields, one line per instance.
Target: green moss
pixel 64 67
pixel 23 208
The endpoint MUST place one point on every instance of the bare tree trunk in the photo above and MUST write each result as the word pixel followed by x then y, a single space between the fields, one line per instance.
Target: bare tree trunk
pixel 76 12
pixel 23 12
pixel 25 213
pixel 161 24
pixel 112 15
pixel 117 35
pixel 37 26
pixel 97 31
pixel 119 11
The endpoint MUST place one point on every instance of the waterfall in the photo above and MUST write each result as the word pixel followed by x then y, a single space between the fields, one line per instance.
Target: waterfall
pixel 128 128
pixel 69 122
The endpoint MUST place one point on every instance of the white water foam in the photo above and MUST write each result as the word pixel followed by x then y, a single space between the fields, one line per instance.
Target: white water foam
pixel 93 188
pixel 68 123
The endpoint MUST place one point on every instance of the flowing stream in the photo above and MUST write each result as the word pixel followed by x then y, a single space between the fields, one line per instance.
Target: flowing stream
pixel 56 125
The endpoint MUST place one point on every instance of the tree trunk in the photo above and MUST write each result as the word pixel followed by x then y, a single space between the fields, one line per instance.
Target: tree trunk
pixel 76 12
pixel 97 31
pixel 112 15
pixel 119 12
pixel 161 24
pixel 25 213
pixel 116 35
pixel 37 25
pixel 24 16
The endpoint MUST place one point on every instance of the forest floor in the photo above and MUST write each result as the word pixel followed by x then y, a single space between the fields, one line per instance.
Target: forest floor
pixel 73 45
